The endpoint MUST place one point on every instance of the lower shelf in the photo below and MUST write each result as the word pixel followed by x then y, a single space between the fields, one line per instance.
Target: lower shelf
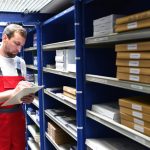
pixel 33 145
pixel 58 147
pixel 113 144
pixel 130 133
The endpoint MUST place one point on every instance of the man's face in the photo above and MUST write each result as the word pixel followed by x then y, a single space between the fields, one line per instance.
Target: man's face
pixel 13 45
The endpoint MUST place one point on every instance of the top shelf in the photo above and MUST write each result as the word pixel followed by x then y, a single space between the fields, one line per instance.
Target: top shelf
pixel 97 41
pixel 54 46
pixel 64 44
pixel 118 37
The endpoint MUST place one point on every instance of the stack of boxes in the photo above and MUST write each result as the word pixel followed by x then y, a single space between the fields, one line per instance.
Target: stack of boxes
pixel 133 61
pixel 69 92
pixel 135 113
pixel 60 60
pixel 136 21
pixel 57 134
pixel 65 60
pixel 104 26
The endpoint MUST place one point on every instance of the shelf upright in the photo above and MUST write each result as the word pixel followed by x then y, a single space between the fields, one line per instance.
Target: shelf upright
pixel 80 74
pixel 40 82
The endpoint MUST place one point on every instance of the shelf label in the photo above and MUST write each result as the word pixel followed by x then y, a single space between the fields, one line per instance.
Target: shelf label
pixel 134 78
pixel 132 46
pixel 138 128
pixel 136 87
pixel 137 114
pixel 138 121
pixel 132 25
pixel 135 56
pixel 134 71
pixel 137 107
pixel 134 63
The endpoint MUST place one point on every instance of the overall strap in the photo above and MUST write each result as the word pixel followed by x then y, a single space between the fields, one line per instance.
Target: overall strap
pixel 19 66
pixel 0 72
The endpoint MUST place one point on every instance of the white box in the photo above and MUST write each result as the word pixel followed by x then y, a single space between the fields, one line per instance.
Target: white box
pixel 60 66
pixel 110 110
pixel 59 58
pixel 106 19
pixel 60 52
pixel 70 60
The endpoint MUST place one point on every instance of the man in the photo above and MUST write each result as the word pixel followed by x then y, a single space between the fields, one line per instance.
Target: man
pixel 12 76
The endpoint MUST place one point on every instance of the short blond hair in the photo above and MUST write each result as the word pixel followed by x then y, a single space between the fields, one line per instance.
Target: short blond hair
pixel 12 28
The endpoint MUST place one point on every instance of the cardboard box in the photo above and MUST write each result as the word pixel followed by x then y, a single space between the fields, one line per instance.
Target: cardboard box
pixel 140 103
pixel 132 77
pixel 69 95
pixel 129 70
pixel 136 46
pixel 135 120
pixel 134 17
pixel 133 25
pixel 133 55
pixel 133 63
pixel 136 127
pixel 58 135
pixel 69 89
pixel 137 114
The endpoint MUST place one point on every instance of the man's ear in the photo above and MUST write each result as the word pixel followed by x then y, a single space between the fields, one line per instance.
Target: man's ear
pixel 4 37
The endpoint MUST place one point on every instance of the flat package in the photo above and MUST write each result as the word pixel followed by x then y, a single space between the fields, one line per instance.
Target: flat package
pixel 110 110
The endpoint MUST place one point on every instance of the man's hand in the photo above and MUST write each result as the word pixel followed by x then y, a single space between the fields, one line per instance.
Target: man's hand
pixel 21 85
pixel 28 99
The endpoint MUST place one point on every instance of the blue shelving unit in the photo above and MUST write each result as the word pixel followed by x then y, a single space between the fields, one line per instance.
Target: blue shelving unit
pixel 95 77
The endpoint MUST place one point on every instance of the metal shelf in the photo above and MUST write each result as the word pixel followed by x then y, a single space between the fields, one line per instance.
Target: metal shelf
pixel 59 45
pixel 65 128
pixel 36 102
pixel 33 117
pixel 68 103
pixel 130 133
pixel 58 147
pixel 54 71
pixel 145 88
pixel 33 132
pixel 118 37
pixel 32 67
pixel 33 145
pixel 53 46
pixel 30 49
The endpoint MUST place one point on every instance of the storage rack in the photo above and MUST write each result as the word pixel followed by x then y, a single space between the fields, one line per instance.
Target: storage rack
pixel 101 78
pixel 87 76
pixel 73 28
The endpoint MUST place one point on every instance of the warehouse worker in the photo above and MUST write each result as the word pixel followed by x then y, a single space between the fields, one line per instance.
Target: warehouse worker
pixel 12 76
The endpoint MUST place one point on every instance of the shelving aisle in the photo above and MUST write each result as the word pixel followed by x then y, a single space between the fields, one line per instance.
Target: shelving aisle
pixel 94 80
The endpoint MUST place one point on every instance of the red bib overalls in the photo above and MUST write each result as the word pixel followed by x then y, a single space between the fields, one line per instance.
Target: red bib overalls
pixel 12 119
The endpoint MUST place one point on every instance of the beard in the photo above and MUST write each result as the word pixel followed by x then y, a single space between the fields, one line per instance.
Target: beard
pixel 8 52
pixel 10 55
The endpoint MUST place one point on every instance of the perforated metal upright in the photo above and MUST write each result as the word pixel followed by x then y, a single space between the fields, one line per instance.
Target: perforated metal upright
pixel 80 74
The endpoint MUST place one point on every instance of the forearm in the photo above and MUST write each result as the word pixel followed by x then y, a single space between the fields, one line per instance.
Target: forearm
pixel 5 95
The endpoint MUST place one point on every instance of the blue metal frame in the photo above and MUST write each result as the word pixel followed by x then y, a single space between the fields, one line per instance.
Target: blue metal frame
pixel 40 82
pixel 80 74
